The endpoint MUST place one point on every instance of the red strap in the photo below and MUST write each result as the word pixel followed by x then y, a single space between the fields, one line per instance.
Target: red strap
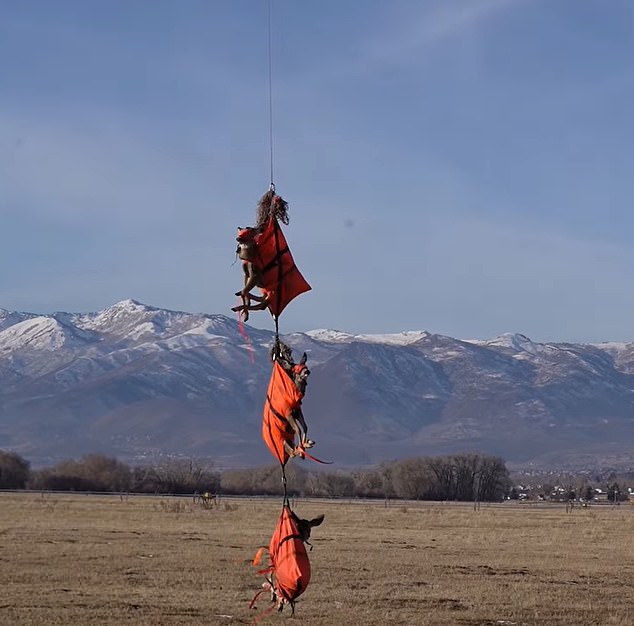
pixel 303 453
pixel 257 618
pixel 256 596
pixel 246 338
pixel 264 613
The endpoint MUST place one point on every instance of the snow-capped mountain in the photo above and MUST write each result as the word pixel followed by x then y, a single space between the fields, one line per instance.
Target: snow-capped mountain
pixel 137 381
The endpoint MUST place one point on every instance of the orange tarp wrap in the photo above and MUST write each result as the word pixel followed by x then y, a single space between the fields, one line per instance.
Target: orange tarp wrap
pixel 289 559
pixel 279 274
pixel 281 398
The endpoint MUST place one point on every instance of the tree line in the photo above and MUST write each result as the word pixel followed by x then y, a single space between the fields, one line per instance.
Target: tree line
pixel 97 472
pixel 463 477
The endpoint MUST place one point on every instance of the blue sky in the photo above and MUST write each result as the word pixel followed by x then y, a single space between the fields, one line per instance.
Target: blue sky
pixel 463 167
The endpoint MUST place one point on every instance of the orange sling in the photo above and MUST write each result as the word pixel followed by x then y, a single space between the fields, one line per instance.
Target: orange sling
pixel 290 568
pixel 289 559
pixel 281 398
pixel 280 277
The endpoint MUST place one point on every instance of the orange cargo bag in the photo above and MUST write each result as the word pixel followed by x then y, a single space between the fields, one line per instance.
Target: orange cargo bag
pixel 279 274
pixel 282 397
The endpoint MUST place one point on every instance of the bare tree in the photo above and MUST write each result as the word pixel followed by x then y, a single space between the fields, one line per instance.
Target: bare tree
pixel 180 476
pixel 14 471
pixel 412 479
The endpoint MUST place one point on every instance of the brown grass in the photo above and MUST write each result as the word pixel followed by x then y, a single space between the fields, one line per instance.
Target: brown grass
pixel 85 560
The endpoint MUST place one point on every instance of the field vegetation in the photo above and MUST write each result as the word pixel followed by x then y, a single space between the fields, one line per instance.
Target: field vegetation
pixel 156 560
pixel 463 477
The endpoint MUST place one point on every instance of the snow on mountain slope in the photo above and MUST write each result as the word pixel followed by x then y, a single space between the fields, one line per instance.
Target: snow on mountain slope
pixel 135 377
pixel 130 319
pixel 396 339
pixel 41 333
pixel 514 342
pixel 622 353
pixel 135 322
pixel 8 318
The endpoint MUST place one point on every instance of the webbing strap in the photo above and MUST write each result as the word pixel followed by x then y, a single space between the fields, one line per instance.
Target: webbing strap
pixel 303 453
pixel 274 410
pixel 255 597
pixel 264 613
pixel 274 261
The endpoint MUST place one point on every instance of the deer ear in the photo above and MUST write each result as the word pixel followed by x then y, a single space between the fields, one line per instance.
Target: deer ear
pixel 304 359
pixel 317 520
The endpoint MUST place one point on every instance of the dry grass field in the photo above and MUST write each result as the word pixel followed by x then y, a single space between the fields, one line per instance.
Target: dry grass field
pixel 86 560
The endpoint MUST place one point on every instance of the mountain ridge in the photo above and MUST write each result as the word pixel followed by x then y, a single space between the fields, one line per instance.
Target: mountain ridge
pixel 141 382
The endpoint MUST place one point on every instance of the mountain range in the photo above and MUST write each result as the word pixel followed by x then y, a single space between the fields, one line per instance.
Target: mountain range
pixel 141 383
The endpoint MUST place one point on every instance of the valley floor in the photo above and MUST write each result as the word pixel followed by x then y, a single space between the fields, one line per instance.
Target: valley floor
pixel 151 560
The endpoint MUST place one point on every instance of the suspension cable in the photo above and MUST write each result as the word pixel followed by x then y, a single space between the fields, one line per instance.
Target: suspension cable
pixel 270 56
pixel 277 334
pixel 284 485
pixel 272 188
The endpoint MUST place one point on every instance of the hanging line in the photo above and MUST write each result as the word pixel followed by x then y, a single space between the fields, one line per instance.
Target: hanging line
pixel 247 339
pixel 277 351
pixel 270 55
pixel 284 485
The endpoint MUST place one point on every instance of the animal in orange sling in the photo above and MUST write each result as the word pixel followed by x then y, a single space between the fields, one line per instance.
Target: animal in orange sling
pixel 283 419
pixel 267 262
pixel 288 574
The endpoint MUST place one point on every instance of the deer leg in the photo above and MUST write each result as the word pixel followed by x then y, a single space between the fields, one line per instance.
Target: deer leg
pixel 258 298
pixel 294 425
pixel 245 308
pixel 302 429
pixel 251 278
pixel 288 448
pixel 260 306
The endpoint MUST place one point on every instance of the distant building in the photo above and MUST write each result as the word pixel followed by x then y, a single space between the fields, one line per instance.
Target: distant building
pixel 600 495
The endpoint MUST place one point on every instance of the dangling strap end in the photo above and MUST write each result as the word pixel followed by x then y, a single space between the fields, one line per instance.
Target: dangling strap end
pixel 257 559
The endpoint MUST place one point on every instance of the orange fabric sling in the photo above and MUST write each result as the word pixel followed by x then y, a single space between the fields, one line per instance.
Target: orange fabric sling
pixel 281 398
pixel 288 574
pixel 289 559
pixel 280 277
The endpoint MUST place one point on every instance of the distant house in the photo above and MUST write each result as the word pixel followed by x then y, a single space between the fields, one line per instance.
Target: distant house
pixel 600 495
pixel 560 494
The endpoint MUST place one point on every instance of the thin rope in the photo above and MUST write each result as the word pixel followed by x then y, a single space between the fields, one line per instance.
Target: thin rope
pixel 270 54
pixel 285 501
pixel 247 339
